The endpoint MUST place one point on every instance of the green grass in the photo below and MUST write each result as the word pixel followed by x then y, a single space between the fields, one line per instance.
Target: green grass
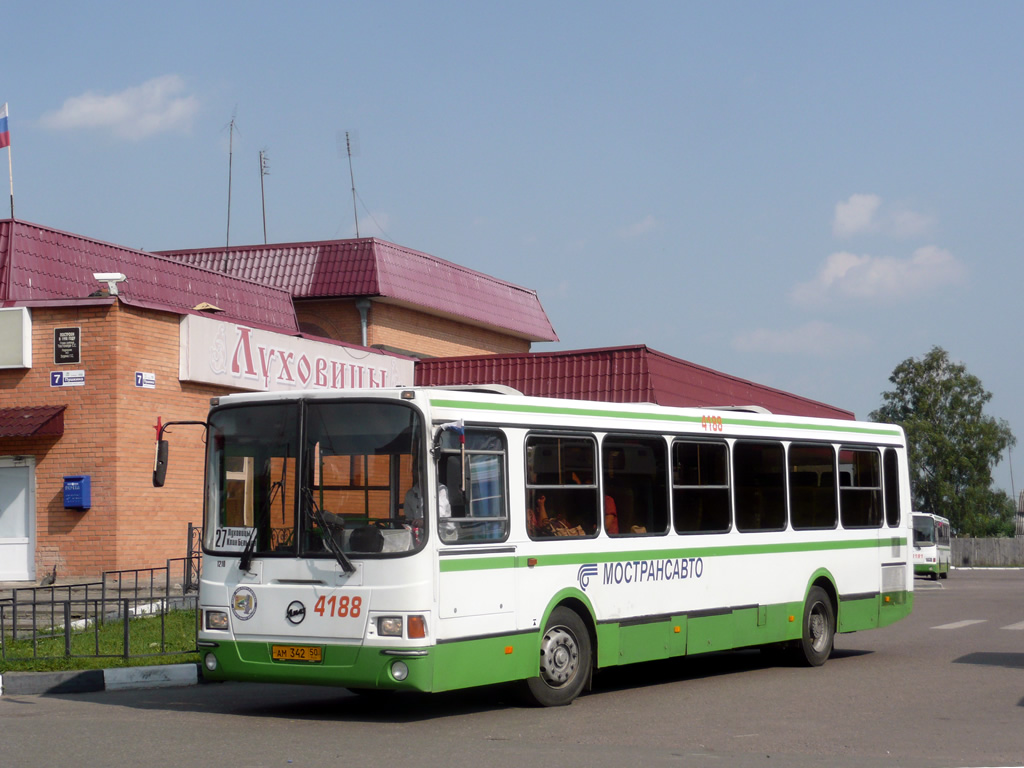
pixel 144 640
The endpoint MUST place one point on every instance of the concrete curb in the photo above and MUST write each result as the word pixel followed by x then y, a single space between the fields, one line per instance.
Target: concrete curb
pixel 94 680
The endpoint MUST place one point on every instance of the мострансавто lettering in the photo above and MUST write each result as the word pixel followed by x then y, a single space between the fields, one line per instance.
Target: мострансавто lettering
pixel 634 571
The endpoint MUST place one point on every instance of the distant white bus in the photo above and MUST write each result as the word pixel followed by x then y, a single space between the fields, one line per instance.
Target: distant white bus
pixel 932 555
pixel 432 539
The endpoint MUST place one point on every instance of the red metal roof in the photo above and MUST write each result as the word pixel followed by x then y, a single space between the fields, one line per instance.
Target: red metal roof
pixel 619 375
pixel 39 265
pixel 36 420
pixel 376 268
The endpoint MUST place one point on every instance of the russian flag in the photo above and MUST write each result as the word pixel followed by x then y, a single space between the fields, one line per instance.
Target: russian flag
pixel 5 134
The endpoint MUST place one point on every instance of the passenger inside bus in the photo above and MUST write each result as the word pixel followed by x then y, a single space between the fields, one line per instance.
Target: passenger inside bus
pixel 611 516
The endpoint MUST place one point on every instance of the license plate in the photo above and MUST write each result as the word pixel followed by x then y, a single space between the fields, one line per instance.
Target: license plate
pixel 312 653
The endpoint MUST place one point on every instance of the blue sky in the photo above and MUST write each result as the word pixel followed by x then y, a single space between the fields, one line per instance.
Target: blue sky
pixel 799 193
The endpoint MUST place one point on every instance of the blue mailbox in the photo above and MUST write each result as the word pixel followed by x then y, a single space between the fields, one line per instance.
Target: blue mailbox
pixel 77 491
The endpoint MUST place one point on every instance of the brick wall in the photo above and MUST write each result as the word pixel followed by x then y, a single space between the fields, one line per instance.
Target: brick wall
pixel 402 328
pixel 77 542
pixel 109 435
pixel 148 342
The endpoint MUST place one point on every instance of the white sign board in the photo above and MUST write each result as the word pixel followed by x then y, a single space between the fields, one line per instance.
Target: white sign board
pixel 231 355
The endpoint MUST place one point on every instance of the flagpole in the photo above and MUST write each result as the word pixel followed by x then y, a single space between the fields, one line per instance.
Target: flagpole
pixel 10 174
pixel 5 141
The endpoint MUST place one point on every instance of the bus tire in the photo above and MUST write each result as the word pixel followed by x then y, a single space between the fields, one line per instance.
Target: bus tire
pixel 565 660
pixel 819 628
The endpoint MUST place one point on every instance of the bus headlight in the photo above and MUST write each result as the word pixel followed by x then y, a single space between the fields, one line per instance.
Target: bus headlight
pixel 216 620
pixel 389 626
pixel 210 662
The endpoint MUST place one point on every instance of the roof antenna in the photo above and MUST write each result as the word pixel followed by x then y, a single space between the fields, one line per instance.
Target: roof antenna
pixel 351 175
pixel 264 171
pixel 231 151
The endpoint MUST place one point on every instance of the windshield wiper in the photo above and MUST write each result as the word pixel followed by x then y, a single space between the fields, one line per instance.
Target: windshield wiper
pixel 245 562
pixel 328 534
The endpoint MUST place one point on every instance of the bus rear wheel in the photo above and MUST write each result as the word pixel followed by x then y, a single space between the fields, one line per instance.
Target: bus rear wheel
pixel 565 660
pixel 819 628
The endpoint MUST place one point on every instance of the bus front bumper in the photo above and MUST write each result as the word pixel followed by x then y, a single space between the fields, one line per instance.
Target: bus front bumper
pixel 407 669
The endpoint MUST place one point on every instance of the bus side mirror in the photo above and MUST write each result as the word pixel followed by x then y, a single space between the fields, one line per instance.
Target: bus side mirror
pixel 160 467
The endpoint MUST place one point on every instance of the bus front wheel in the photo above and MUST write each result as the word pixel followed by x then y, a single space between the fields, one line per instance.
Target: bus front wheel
pixel 565 659
pixel 819 628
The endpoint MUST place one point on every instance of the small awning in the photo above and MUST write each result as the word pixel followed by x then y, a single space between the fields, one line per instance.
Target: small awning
pixel 32 421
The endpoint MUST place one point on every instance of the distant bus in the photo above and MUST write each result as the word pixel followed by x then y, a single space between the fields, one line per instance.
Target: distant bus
pixel 432 539
pixel 932 556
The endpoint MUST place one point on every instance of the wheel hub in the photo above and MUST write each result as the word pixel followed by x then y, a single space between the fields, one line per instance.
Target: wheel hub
pixel 559 656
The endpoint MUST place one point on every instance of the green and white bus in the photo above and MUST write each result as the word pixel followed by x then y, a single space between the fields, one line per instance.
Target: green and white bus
pixel 432 539
pixel 932 553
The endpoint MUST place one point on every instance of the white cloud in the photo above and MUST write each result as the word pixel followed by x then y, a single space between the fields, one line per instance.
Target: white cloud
pixel 645 226
pixel 849 276
pixel 157 106
pixel 866 214
pixel 813 339
pixel 856 215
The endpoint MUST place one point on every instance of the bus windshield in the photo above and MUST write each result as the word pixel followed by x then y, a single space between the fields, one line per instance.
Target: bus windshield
pixel 924 530
pixel 342 485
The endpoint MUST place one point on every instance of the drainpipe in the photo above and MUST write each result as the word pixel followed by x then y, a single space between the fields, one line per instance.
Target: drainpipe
pixel 363 305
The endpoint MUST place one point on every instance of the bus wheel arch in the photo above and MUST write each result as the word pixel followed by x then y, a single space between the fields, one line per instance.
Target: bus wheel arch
pixel 567 651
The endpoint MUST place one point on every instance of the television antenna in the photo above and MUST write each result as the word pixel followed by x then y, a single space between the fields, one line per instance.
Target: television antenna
pixel 231 150
pixel 264 171
pixel 351 174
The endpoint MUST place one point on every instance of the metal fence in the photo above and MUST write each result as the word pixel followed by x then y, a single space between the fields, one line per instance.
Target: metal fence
pixel 36 618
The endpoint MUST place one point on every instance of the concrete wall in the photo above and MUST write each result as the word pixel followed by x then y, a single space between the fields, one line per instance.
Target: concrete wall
pixel 987 552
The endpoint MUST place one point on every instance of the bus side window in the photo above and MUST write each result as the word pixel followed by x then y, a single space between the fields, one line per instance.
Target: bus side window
pixel 812 492
pixel 476 507
pixel 635 485
pixel 700 487
pixel 860 492
pixel 760 486
pixel 561 488
pixel 891 478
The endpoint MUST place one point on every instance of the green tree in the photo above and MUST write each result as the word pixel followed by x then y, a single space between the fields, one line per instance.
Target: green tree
pixel 953 446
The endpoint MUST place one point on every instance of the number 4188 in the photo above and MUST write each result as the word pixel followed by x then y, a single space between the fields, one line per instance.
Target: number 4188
pixel 711 423
pixel 338 607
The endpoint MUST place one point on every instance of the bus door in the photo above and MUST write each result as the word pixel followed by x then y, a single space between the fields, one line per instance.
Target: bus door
pixel 861 506
pixel 475 560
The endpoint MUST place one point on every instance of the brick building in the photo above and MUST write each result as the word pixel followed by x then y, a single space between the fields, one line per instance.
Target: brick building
pixel 98 341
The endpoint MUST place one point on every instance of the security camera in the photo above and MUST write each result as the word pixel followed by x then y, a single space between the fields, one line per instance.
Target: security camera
pixel 111 279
